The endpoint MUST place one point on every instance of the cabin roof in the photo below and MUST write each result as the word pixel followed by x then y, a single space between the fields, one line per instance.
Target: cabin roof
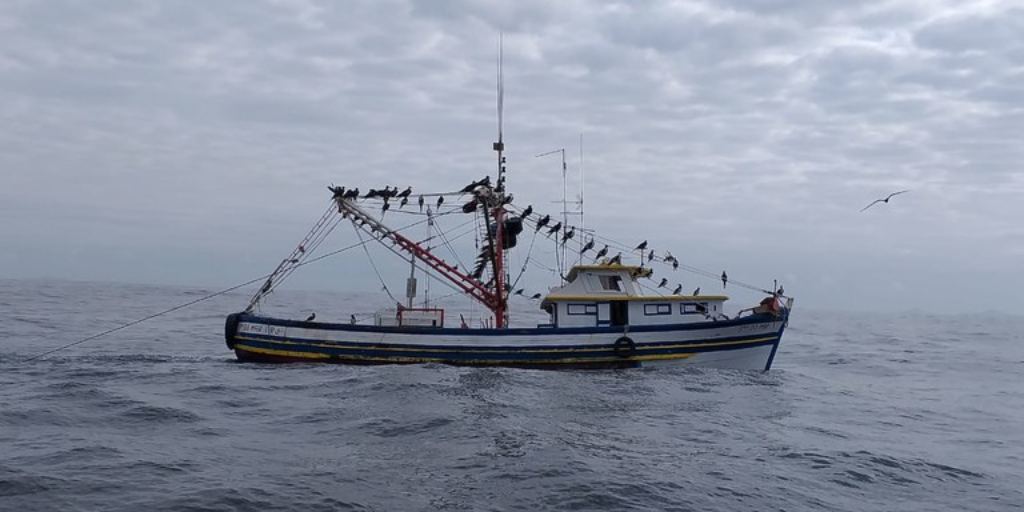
pixel 633 270
pixel 646 298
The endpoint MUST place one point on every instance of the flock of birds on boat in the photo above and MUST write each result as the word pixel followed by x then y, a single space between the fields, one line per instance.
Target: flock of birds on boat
pixel 557 231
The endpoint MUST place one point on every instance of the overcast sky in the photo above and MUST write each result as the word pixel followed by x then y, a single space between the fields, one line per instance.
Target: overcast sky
pixel 190 142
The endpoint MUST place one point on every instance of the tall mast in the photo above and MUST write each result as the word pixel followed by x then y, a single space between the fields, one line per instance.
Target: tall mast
pixel 497 242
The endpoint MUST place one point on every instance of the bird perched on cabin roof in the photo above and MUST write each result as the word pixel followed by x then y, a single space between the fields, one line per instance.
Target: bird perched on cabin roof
pixel 678 290
pixel 616 260
pixel 696 292
pixel 311 317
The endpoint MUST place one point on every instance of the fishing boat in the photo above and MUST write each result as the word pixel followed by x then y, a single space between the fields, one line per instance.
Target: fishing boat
pixel 601 315
pixel 602 312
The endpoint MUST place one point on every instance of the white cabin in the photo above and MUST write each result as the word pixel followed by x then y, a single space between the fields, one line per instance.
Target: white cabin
pixel 609 295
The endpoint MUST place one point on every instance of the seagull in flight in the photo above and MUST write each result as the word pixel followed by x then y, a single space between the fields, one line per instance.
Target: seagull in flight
pixel 886 200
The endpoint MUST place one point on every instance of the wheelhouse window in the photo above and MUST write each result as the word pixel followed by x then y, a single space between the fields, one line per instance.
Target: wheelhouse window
pixel 657 309
pixel 693 308
pixel 611 283
pixel 581 309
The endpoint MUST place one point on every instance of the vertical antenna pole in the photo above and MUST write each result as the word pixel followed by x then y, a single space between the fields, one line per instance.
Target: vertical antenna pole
pixel 583 224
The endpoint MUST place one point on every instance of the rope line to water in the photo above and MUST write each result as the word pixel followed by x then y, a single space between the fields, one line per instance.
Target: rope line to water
pixel 195 301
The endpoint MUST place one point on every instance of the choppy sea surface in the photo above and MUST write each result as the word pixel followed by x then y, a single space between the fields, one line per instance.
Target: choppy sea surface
pixel 860 412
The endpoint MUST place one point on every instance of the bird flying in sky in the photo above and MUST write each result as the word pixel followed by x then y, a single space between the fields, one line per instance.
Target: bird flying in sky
pixel 885 200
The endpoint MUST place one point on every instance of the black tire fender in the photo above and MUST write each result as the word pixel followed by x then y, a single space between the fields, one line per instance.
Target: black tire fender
pixel 624 346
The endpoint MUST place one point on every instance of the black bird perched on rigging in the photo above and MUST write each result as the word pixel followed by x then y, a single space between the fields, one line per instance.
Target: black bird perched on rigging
pixel 587 246
pixel 885 200
pixel 542 222
pixel 781 291
pixel 554 229
pixel 696 292
pixel 535 296
pixel 527 211
pixel 421 203
pixel 311 317
pixel 641 247
pixel 571 232
pixel 616 260
pixel 403 202
pixel 385 207
pixel 518 292
pixel 337 191
pixel 405 193
pixel 725 279
pixel 371 194
pixel 663 283
pixel 650 257
pixel 472 186
pixel 440 201
pixel 602 253
pixel 352 194
pixel 678 290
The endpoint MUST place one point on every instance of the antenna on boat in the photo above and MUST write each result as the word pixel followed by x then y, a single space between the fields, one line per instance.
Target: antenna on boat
pixel 500 145
pixel 583 226
pixel 565 210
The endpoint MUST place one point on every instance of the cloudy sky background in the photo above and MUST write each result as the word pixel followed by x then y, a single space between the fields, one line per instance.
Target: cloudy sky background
pixel 190 143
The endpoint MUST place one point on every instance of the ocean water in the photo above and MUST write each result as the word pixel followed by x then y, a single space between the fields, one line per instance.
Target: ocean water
pixel 861 412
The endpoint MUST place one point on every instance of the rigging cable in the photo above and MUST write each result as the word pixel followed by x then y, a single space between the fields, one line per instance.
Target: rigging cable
pixel 374 265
